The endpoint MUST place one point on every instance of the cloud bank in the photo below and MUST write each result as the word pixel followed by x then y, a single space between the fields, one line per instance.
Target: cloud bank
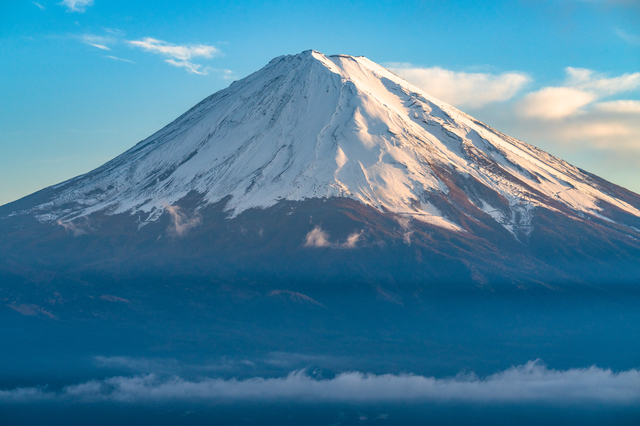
pixel 532 382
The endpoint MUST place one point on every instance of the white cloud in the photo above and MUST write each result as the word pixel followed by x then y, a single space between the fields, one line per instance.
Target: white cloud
pixel 554 102
pixel 76 5
pixel 176 55
pixel 461 88
pixel 38 5
pixel 582 88
pixel 80 227
pixel 317 238
pixel 600 85
pixel 532 382
pixel 352 240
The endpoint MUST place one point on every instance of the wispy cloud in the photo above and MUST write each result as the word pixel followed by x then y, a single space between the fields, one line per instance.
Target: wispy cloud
pixel 462 88
pixel 180 222
pixel 189 66
pixel 184 52
pixel 295 297
pixel 226 74
pixel 115 58
pixel 532 382
pixel 78 6
pixel 30 309
pixel 405 224
pixel 38 5
pixel 114 31
pixel 97 41
pixel 599 84
pixel 352 240
pixel 628 37
pixel 178 55
pixel 76 227
pixel 111 298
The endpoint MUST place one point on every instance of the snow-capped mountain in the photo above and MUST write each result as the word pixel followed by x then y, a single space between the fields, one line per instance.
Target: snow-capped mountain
pixel 314 126
pixel 319 174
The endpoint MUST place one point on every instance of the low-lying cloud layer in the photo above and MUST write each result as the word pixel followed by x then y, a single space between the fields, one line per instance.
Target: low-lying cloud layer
pixel 532 382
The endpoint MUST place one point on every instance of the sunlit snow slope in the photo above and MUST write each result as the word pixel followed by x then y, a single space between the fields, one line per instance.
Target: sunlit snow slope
pixel 312 125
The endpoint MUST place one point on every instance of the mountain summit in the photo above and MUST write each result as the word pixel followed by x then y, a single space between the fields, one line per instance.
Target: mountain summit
pixel 326 169
pixel 315 126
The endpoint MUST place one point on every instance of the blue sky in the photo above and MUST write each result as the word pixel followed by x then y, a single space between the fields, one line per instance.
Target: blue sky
pixel 81 81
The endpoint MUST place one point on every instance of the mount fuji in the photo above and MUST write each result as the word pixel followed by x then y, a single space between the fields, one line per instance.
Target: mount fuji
pixel 313 172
